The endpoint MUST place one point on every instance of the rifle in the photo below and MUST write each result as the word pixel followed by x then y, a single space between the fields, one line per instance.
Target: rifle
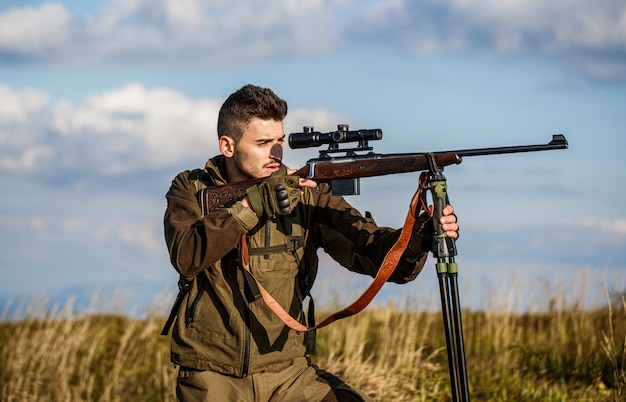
pixel 342 173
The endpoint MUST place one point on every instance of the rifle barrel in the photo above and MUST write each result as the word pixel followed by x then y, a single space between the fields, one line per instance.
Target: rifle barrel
pixel 558 142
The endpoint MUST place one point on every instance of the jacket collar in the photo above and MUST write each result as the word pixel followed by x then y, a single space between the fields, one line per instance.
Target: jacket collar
pixel 216 168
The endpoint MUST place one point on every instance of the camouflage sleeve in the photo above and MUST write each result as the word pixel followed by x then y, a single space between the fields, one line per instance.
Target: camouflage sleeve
pixel 196 242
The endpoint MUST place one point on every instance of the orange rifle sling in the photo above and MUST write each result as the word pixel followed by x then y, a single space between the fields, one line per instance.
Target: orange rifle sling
pixel 388 266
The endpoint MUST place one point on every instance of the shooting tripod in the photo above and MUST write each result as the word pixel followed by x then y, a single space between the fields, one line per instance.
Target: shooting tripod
pixel 444 250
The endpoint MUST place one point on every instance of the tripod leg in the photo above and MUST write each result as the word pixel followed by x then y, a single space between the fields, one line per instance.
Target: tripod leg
pixel 448 325
pixel 458 324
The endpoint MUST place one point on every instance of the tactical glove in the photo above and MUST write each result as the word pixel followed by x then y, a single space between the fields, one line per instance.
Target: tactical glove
pixel 278 194
pixel 421 239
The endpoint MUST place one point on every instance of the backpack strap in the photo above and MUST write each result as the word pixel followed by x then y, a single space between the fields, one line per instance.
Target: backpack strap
pixel 201 180
pixel 183 289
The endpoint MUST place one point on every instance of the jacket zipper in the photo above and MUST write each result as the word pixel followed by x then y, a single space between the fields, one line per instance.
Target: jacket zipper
pixel 191 313
pixel 268 230
pixel 247 341
pixel 246 346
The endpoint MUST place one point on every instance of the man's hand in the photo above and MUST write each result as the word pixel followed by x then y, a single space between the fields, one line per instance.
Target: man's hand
pixel 448 222
pixel 303 182
pixel 276 195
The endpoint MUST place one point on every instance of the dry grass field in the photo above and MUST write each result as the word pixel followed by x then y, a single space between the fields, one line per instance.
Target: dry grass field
pixel 562 353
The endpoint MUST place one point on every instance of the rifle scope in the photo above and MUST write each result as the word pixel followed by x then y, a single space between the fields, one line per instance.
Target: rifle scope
pixel 309 138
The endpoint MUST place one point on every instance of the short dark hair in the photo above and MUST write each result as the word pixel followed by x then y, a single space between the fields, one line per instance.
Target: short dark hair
pixel 246 103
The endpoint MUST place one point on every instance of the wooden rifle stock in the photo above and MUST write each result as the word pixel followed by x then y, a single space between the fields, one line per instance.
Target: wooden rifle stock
pixel 324 170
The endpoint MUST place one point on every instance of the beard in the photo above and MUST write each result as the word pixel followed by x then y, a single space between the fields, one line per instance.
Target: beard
pixel 241 167
pixel 249 170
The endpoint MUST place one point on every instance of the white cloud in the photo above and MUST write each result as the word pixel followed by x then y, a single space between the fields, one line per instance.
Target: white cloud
pixel 588 35
pixel 555 25
pixel 591 36
pixel 142 235
pixel 34 31
pixel 615 227
pixel 206 31
pixel 134 128
pixel 118 132
pixel 324 119
pixel 18 106
pixel 23 117
pixel 26 159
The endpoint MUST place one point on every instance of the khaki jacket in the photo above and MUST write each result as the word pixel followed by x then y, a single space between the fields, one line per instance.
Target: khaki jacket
pixel 220 326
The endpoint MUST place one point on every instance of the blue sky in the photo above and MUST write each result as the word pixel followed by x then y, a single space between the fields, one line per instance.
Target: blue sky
pixel 104 102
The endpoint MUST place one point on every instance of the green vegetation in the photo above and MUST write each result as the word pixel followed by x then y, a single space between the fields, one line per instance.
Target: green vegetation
pixel 560 354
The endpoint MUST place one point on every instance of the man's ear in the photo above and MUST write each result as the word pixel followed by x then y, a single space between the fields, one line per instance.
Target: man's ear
pixel 227 146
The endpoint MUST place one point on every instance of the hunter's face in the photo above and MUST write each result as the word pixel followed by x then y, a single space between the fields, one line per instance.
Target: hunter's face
pixel 258 153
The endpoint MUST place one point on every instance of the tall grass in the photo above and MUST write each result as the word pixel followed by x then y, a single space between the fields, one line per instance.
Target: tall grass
pixel 561 352
pixel 61 356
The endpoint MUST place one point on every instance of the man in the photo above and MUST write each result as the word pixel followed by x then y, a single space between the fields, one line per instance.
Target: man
pixel 229 345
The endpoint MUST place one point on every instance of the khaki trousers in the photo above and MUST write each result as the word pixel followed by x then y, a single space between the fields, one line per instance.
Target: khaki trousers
pixel 300 382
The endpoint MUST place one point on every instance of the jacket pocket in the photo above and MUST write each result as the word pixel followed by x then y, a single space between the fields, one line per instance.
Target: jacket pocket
pixel 190 314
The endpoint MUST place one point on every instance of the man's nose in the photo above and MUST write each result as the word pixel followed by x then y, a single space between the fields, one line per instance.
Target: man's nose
pixel 277 151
